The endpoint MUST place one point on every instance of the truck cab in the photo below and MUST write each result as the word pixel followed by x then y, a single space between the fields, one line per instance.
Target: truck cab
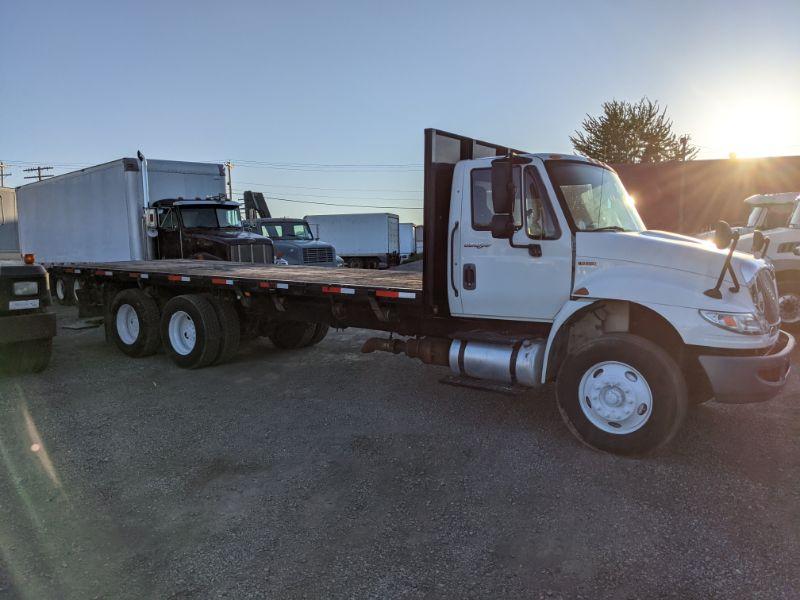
pixel 777 216
pixel 206 229
pixel 550 247
pixel 294 242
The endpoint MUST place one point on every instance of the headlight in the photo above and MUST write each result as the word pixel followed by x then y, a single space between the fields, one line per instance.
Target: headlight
pixel 26 288
pixel 747 323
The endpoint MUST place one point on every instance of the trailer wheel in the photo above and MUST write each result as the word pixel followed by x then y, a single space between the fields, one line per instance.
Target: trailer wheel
pixel 355 263
pixel 64 290
pixel 290 335
pixel 320 331
pixel 31 356
pixel 133 323
pixel 622 393
pixel 190 331
pixel 229 325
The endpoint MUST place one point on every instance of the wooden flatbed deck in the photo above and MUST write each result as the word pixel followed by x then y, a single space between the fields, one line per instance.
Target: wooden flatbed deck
pixel 298 279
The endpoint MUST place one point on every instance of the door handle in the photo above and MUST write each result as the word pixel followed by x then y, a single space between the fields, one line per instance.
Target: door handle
pixel 453 259
pixel 470 277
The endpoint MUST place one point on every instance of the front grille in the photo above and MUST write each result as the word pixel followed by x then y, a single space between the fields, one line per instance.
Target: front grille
pixel 252 253
pixel 766 295
pixel 317 255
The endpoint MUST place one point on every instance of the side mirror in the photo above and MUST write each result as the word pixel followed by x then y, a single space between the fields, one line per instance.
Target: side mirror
pixel 503 189
pixel 723 235
pixel 758 241
pixel 502 226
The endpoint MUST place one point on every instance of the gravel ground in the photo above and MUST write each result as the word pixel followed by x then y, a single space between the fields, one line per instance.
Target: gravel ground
pixel 325 474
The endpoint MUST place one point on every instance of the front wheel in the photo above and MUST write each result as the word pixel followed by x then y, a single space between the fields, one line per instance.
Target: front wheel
pixel 622 393
pixel 789 302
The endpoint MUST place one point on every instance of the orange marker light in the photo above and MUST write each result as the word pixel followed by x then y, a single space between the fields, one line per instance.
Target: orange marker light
pixel 29 259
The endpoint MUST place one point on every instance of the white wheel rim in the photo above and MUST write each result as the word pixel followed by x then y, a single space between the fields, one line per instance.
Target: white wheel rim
pixel 60 289
pixel 615 397
pixel 75 287
pixel 182 332
pixel 127 324
pixel 789 308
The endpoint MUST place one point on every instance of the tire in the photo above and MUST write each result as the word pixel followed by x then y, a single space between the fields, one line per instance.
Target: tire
pixel 190 331
pixel 133 323
pixel 64 291
pixel 789 300
pixel 230 328
pixel 31 356
pixel 290 335
pixel 356 263
pixel 639 393
pixel 320 331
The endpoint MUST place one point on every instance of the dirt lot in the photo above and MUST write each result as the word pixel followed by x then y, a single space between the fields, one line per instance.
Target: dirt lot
pixel 325 474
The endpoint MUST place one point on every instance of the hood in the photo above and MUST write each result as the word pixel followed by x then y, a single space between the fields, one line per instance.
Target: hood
pixel 666 250
pixel 231 237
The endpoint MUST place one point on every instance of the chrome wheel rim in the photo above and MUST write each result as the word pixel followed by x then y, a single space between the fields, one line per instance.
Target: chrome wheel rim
pixel 60 289
pixel 182 332
pixel 615 397
pixel 789 307
pixel 127 324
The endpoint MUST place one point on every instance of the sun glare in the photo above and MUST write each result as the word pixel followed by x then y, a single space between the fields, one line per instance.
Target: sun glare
pixel 753 126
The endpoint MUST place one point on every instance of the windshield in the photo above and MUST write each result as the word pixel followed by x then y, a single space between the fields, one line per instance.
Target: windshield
pixel 770 217
pixel 287 230
pixel 210 217
pixel 794 221
pixel 595 197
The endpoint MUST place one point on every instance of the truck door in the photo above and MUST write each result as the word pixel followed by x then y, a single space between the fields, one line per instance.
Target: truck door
pixel 169 237
pixel 526 278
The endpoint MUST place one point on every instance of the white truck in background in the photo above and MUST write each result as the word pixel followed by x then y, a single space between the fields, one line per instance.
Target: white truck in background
pixel 407 241
pixel 133 209
pixel 364 241
pixel 9 236
pixel 777 217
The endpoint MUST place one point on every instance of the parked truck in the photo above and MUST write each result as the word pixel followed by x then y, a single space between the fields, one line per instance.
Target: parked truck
pixel 407 241
pixel 537 269
pixel 364 241
pixel 292 239
pixel 27 325
pixel 134 209
pixel 777 217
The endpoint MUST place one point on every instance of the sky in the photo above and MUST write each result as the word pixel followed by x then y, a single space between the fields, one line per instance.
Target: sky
pixel 320 105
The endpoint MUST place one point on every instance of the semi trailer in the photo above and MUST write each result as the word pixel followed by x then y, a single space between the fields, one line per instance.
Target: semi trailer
pixel 537 270
pixel 133 209
pixel 407 241
pixel 364 241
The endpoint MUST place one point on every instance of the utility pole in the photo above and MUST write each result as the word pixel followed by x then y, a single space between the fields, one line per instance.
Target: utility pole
pixel 229 166
pixel 3 174
pixel 39 175
pixel 684 141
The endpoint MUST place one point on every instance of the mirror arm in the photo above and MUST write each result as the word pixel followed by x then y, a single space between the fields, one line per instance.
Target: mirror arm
pixel 714 292
pixel 766 247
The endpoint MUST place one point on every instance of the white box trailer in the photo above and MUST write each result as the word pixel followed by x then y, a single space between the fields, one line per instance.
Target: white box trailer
pixel 9 237
pixel 407 242
pixel 419 233
pixel 369 240
pixel 97 213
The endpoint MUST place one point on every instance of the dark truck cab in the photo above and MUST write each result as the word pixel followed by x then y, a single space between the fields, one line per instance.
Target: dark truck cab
pixel 209 229
pixel 27 326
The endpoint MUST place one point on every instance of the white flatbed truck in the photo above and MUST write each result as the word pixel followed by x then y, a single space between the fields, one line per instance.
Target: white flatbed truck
pixel 537 269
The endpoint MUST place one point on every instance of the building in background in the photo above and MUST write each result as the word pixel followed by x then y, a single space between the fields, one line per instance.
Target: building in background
pixel 689 197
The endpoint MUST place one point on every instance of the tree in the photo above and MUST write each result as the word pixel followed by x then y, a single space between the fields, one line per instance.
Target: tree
pixel 632 133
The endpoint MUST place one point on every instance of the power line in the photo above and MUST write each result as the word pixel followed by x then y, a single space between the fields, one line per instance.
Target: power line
pixel 39 175
pixel 336 189
pixel 417 199
pixel 3 174
pixel 340 204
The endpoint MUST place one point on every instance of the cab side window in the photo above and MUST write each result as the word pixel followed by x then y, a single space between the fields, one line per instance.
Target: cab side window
pixel 166 219
pixel 482 208
pixel 540 222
